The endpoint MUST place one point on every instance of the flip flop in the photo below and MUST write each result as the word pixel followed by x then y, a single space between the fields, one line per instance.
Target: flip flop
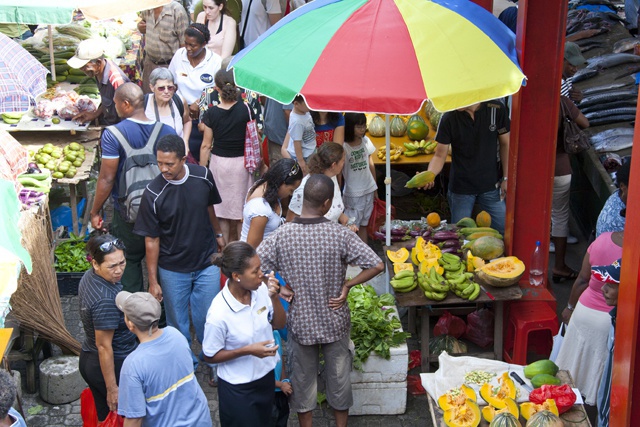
pixel 562 277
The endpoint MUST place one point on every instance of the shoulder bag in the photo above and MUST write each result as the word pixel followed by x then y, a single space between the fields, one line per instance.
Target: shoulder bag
pixel 574 139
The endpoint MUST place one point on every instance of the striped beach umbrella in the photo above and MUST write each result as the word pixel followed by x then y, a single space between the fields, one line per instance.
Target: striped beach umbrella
pixel 383 56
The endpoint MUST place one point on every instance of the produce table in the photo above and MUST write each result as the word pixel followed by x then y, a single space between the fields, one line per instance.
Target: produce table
pixel 575 417
pixel 454 305
pixel 90 144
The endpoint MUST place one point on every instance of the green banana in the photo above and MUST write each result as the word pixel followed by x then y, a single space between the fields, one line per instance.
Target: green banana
pixel 469 289
pixel 475 292
pixel 435 296
pixel 410 146
pixel 405 289
pixel 457 279
pixel 439 286
pixel 411 153
pixel 451 267
pixel 403 274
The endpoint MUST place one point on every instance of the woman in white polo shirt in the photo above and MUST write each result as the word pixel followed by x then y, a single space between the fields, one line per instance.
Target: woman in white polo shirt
pixel 194 66
pixel 238 336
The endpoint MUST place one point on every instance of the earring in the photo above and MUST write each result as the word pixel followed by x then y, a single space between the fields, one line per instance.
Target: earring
pixel 237 280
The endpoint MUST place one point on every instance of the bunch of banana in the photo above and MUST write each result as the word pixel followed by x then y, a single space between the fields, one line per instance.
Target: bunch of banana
pixel 404 281
pixel 394 152
pixel 434 286
pixel 458 279
pixel 11 118
pixel 419 147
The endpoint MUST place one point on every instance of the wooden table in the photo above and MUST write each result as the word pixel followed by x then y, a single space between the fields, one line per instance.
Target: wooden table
pixel 456 305
pixel 574 417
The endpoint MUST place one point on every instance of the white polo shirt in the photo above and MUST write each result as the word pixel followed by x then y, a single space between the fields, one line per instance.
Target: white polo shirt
pixel 192 81
pixel 231 325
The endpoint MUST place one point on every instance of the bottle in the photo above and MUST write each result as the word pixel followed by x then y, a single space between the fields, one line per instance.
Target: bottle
pixel 536 268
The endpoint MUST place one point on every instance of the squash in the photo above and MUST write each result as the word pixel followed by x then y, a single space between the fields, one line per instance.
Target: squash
pixel 417 131
pixel 505 419
pixel 544 419
pixel 415 117
pixel 473 262
pixel 487 247
pixel 397 127
pixel 544 366
pixel 489 412
pixel 466 415
pixel 377 126
pixel 501 272
pixel 528 409
pixel 400 266
pixel 433 220
pixel 483 219
pixel 414 255
pixel 456 397
pixel 496 396
pixel 401 255
pixel 425 266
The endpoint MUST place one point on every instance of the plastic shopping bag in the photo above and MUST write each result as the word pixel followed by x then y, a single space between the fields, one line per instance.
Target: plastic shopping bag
pixel 557 342
pixel 113 420
pixel 480 327
pixel 378 216
pixel 88 409
pixel 448 324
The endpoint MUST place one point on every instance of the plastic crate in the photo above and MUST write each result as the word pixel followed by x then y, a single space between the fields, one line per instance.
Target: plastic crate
pixel 68 283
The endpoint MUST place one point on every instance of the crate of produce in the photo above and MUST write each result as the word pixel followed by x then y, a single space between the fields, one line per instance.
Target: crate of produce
pixel 68 283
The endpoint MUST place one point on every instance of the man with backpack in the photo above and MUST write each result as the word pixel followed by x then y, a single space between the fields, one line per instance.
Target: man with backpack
pixel 128 164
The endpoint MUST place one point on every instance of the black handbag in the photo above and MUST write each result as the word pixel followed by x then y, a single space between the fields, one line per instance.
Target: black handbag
pixel 574 139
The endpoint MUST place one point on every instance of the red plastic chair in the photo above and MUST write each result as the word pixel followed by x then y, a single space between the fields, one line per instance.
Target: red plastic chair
pixel 524 319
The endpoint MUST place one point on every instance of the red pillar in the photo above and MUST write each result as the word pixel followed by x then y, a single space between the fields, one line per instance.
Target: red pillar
pixel 487 4
pixel 625 404
pixel 534 125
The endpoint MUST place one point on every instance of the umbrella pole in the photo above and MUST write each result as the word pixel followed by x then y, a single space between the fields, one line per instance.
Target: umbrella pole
pixel 53 67
pixel 387 184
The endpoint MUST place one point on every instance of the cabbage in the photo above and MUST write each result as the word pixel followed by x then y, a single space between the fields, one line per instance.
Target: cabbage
pixel 114 47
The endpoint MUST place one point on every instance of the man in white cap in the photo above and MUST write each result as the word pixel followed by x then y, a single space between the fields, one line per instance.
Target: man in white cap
pixel 90 59
pixel 166 391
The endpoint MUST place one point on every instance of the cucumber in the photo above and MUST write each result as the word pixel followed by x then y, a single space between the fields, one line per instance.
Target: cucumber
pixel 61 78
pixel 74 78
pixel 39 176
pixel 77 72
pixel 58 61
pixel 31 182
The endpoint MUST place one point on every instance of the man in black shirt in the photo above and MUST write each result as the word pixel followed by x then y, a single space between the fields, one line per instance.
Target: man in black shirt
pixel 181 232
pixel 479 140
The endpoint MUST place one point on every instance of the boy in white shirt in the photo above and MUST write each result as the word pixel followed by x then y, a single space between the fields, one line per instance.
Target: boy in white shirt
pixel 300 141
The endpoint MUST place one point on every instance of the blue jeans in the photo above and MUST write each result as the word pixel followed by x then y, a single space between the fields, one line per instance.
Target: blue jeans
pixel 183 290
pixel 461 206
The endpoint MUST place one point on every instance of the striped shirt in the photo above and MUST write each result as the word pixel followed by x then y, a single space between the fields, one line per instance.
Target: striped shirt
pixel 566 86
pixel 112 78
pixel 98 312
pixel 164 35
pixel 604 391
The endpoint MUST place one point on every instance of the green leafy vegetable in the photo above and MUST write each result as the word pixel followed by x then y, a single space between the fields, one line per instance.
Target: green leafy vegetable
pixel 372 327
pixel 71 256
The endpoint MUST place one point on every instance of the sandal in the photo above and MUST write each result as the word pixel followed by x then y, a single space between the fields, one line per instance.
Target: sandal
pixel 562 277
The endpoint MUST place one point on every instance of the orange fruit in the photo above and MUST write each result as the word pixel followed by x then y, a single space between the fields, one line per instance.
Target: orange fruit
pixel 433 219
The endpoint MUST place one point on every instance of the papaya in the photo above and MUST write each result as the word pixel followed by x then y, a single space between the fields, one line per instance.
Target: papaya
pixel 542 379
pixel 466 222
pixel 421 179
pixel 483 219
pixel 487 247
pixel 479 234
pixel 470 230
pixel 501 273
pixel 544 366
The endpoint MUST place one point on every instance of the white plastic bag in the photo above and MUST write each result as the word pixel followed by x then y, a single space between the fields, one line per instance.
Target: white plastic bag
pixel 557 342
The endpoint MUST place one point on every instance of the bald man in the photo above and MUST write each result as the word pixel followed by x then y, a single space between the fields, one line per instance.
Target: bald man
pixel 134 132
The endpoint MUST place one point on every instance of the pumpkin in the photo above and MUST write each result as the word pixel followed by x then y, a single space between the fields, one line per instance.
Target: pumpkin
pixel 473 262
pixel 465 415
pixel 456 397
pixel 496 396
pixel 400 266
pixel 489 412
pixel 377 126
pixel 528 409
pixel 417 131
pixel 414 118
pixel 501 272
pixel 401 255
pixel 433 220
pixel 414 255
pixel 545 419
pixel 483 219
pixel 487 247
pixel 397 127
pixel 425 266
pixel 505 419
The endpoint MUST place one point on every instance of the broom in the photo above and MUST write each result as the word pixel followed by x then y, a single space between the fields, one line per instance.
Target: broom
pixel 36 302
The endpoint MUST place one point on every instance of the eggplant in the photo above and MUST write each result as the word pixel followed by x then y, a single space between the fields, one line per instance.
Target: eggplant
pixel 378 235
pixel 450 250
pixel 445 235
pixel 415 233
pixel 427 234
pixel 450 244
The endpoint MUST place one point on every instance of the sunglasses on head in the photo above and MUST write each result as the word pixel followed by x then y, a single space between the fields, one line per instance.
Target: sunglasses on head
pixel 294 170
pixel 107 247
pixel 169 88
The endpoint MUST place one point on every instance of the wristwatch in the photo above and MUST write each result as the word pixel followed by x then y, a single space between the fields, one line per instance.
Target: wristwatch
pixel 219 235
pixel 570 307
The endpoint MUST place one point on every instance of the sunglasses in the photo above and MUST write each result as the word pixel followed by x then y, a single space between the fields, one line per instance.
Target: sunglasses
pixel 294 170
pixel 107 247
pixel 169 88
